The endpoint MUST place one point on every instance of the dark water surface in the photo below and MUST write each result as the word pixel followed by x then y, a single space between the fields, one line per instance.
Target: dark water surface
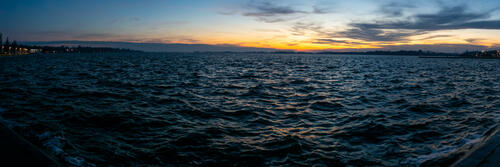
pixel 248 109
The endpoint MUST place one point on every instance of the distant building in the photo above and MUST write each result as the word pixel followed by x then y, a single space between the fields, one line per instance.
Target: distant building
pixel 35 50
pixel 483 54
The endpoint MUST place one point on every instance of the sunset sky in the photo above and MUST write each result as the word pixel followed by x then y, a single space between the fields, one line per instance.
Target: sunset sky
pixel 302 25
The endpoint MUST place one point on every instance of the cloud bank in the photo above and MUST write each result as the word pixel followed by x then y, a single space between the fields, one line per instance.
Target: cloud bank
pixel 393 22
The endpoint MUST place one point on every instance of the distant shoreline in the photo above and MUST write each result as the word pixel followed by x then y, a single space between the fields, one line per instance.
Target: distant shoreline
pixel 455 57
pixel 2 55
pixel 374 53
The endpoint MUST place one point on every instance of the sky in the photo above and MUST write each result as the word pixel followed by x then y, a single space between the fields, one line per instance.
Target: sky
pixel 301 25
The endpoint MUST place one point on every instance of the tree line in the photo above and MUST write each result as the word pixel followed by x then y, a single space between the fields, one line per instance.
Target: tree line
pixel 9 47
pixel 13 48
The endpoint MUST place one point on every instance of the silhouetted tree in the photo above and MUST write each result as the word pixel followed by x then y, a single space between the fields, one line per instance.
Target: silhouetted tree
pixel 14 47
pixel 7 45
pixel 1 43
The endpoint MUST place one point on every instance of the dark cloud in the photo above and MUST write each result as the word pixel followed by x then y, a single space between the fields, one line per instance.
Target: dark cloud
pixel 269 9
pixel 436 36
pixel 190 40
pixel 64 34
pixel 49 33
pixel 301 28
pixel 227 12
pixel 95 35
pixel 321 10
pixel 272 19
pixel 270 12
pixel 366 33
pixel 473 40
pixel 454 48
pixel 450 48
pixel 334 42
pixel 448 18
pixel 395 9
pixel 329 41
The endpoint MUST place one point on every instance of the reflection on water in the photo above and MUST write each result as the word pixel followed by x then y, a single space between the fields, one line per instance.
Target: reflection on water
pixel 248 109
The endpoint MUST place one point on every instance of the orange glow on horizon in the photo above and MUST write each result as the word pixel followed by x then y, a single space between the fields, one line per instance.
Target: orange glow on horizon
pixel 284 40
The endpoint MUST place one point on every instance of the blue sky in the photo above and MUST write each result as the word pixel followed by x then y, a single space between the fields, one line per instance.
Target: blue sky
pixel 292 24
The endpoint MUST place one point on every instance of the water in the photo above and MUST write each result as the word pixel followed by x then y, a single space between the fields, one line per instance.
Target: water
pixel 249 109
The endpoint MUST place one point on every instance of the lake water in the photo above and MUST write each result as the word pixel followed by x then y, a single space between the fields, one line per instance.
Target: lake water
pixel 249 109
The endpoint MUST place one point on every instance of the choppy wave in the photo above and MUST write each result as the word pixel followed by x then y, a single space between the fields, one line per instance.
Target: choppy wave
pixel 249 109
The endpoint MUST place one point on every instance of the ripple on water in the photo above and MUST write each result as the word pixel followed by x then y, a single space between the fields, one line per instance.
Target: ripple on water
pixel 214 109
pixel 327 106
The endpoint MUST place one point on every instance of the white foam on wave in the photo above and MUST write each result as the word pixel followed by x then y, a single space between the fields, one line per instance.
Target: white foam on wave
pixel 438 153
pixel 51 142
pixel 76 161
pixel 469 141
pixel 55 144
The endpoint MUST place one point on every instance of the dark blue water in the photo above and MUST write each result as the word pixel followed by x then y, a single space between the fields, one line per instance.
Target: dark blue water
pixel 249 109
